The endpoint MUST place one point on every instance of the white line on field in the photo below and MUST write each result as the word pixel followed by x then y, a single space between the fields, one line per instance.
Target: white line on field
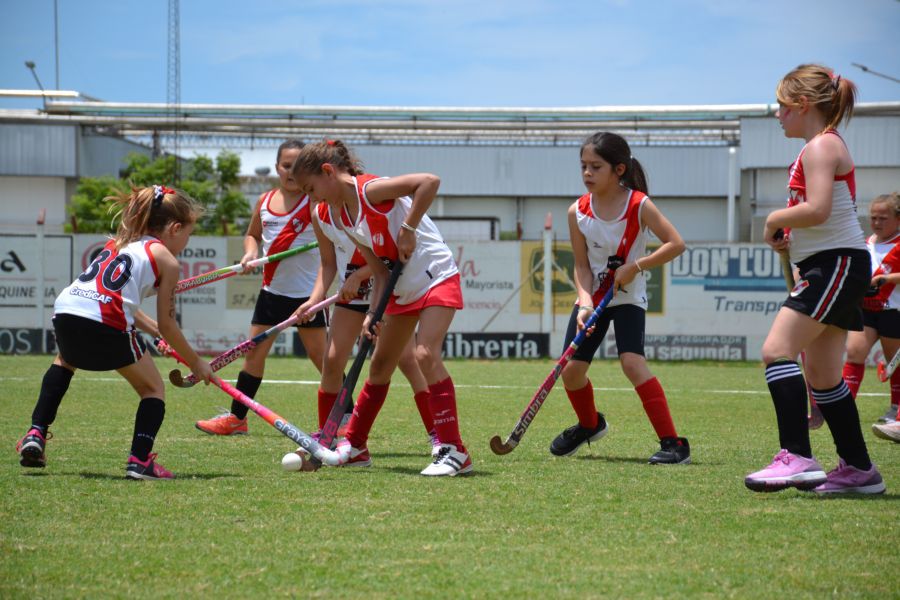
pixel 459 385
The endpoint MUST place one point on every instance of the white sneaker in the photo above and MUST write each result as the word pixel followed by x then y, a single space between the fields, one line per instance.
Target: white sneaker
pixel 887 431
pixel 355 457
pixel 449 462
pixel 435 444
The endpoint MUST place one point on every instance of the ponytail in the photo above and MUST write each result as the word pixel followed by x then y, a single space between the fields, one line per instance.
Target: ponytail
pixel 149 210
pixel 833 95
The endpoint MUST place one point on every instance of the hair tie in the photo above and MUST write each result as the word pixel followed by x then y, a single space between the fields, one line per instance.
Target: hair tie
pixel 159 193
pixel 835 81
pixel 329 142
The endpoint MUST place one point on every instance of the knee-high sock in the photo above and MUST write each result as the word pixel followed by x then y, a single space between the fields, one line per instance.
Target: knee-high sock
pixel 248 385
pixel 53 388
pixel 839 409
pixel 443 410
pixel 853 375
pixel 895 387
pixel 423 405
pixel 582 400
pixel 657 408
pixel 147 421
pixel 788 389
pixel 368 404
pixel 326 402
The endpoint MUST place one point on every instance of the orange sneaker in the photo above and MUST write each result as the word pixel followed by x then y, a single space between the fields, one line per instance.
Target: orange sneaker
pixel 224 424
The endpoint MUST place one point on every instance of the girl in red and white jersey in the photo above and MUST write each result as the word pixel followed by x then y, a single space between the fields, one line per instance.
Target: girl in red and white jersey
pixel 95 318
pixel 820 231
pixel 608 227
pixel 341 258
pixel 281 220
pixel 881 306
pixel 387 225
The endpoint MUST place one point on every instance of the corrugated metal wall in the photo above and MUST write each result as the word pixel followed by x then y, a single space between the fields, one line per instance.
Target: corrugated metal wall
pixel 38 150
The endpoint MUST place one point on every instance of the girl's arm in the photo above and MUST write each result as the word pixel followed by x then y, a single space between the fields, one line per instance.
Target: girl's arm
pixel 354 281
pixel 253 237
pixel 326 273
pixel 584 278
pixel 145 323
pixel 381 274
pixel 820 163
pixel 165 309
pixel 422 187
pixel 672 245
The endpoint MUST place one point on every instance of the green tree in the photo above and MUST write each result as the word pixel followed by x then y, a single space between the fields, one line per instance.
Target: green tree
pixel 214 185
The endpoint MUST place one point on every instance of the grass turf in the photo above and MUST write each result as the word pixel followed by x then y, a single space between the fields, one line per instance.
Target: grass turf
pixel 601 523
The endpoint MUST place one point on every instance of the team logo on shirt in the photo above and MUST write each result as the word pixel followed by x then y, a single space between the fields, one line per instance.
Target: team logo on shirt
pixel 798 289
pixel 378 239
pixel 298 225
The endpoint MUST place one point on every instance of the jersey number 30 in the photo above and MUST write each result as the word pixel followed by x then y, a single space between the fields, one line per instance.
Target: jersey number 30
pixel 115 275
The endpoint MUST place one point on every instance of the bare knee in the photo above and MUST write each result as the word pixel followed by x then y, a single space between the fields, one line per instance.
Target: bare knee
pixel 634 366
pixel 574 375
pixel 426 358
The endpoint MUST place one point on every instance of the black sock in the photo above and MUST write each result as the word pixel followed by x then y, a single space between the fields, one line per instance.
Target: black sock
pixel 147 422
pixel 840 413
pixel 248 385
pixel 788 391
pixel 53 388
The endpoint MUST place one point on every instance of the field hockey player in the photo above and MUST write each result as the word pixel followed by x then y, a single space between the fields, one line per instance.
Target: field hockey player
pixel 820 229
pixel 615 214
pixel 388 225
pixel 340 257
pixel 281 221
pixel 95 317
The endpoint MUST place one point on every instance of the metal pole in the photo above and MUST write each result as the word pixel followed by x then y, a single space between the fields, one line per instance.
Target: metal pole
pixel 732 193
pixel 547 321
pixel 56 37
pixel 40 279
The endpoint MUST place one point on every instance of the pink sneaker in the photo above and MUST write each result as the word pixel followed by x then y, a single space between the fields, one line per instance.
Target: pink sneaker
pixel 787 470
pixel 845 479
pixel 148 469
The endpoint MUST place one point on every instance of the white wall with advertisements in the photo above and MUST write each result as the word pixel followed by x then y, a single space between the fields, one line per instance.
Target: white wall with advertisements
pixel 714 302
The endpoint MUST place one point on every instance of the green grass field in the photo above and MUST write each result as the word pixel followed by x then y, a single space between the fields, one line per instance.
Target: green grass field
pixel 601 523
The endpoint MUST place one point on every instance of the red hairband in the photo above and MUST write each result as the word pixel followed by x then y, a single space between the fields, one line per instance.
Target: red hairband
pixel 159 192
pixel 329 142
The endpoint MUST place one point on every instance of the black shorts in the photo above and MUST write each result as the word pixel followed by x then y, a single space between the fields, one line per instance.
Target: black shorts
pixel 360 308
pixel 885 322
pixel 92 346
pixel 272 309
pixel 629 320
pixel 831 287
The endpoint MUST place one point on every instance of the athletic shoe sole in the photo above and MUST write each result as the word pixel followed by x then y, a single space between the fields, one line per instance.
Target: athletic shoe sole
pixel 685 461
pixel 883 435
pixel 593 438
pixel 875 488
pixel 802 481
pixel 32 456
pixel 140 477
pixel 219 434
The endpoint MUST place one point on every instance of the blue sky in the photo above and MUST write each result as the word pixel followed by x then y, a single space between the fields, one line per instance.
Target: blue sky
pixel 441 53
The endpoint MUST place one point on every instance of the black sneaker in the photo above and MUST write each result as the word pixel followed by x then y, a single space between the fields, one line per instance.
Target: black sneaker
pixel 31 449
pixel 672 451
pixel 571 439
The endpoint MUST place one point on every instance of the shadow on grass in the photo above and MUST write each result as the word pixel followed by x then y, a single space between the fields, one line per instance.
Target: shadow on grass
pixel 179 477
pixel 886 497
pixel 422 455
pixel 615 459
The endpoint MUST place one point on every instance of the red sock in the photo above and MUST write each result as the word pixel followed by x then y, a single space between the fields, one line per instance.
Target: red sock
pixel 895 387
pixel 583 402
pixel 326 403
pixel 368 404
pixel 423 400
pixel 853 375
pixel 654 400
pixel 443 409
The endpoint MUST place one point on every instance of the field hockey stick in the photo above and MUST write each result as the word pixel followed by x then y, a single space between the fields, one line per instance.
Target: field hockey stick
pixel 322 454
pixel 787 269
pixel 229 356
pixel 225 272
pixel 885 371
pixel 345 395
pixel 537 401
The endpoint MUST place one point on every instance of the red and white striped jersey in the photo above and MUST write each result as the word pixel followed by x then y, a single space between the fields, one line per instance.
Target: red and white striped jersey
pixel 347 255
pixel 110 290
pixel 603 239
pixel 377 227
pixel 885 260
pixel 293 276
pixel 840 230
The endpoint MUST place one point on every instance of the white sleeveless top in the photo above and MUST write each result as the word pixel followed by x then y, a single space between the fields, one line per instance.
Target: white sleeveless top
pixel 377 227
pixel 347 255
pixel 110 290
pixel 602 239
pixel 294 276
